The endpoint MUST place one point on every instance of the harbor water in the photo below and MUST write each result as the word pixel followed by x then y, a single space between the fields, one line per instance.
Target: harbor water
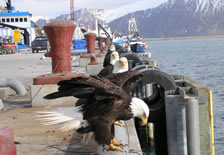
pixel 201 60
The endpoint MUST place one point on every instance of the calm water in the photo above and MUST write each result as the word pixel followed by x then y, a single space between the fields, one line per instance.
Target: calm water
pixel 201 60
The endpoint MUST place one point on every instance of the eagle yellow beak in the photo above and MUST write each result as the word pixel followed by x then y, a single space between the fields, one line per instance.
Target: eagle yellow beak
pixel 144 121
pixel 123 63
pixel 114 57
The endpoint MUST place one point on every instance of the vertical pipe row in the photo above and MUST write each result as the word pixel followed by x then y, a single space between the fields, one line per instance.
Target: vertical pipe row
pixel 193 131
pixel 182 118
pixel 176 125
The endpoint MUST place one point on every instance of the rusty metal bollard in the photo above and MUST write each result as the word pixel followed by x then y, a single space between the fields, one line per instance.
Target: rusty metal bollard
pixel 60 34
pixel 93 60
pixel 111 41
pixel 106 42
pixel 90 40
pixel 100 44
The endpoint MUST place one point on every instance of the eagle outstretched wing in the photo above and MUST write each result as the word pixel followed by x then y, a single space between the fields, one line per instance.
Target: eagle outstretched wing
pixel 104 102
pixel 103 99
pixel 106 71
pixel 93 86
pixel 126 80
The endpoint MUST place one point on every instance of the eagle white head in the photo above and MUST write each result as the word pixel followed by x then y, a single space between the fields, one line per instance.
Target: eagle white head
pixel 121 65
pixel 140 109
pixel 112 48
pixel 114 57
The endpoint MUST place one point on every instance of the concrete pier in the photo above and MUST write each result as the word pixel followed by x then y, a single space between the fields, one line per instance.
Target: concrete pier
pixel 29 134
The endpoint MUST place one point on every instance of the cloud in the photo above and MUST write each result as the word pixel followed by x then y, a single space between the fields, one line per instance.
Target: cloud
pixel 43 7
pixel 128 8
pixel 53 8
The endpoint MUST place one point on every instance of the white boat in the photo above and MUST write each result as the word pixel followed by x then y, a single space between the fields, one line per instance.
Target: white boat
pixel 133 40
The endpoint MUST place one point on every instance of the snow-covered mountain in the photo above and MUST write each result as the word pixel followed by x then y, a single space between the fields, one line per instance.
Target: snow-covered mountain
pixel 88 15
pixel 161 18
pixel 36 18
pixel 203 5
pixel 110 15
pixel 85 17
pixel 177 18
pixel 82 15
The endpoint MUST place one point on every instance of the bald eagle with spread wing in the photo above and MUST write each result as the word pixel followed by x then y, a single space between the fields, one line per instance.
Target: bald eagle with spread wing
pixel 105 103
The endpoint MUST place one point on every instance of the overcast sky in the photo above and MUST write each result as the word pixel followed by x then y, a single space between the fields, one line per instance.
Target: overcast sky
pixel 52 8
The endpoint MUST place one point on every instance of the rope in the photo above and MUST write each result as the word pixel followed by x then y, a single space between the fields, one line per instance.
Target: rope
pixel 60 59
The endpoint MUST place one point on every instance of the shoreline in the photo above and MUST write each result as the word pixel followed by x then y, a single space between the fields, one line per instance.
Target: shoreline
pixel 184 38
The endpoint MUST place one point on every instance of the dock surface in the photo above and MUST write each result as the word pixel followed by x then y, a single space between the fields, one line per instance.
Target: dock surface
pixel 27 65
pixel 32 138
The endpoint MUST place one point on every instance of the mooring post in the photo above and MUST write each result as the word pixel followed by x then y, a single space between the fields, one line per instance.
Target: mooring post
pixel 100 45
pixel 90 44
pixel 111 41
pixel 192 121
pixel 60 34
pixel 106 42
pixel 176 125
pixel 7 145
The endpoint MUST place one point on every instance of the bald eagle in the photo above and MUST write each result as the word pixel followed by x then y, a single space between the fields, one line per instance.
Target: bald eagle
pixel 112 49
pixel 114 57
pixel 116 66
pixel 121 65
pixel 107 57
pixel 106 103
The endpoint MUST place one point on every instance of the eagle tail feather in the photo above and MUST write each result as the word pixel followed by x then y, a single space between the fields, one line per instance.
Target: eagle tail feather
pixel 67 118
pixel 87 137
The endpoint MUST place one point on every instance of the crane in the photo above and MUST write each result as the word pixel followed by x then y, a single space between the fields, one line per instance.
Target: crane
pixel 9 6
pixel 72 10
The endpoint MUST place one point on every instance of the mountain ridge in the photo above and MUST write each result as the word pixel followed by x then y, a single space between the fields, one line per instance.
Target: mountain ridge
pixel 176 18
pixel 173 18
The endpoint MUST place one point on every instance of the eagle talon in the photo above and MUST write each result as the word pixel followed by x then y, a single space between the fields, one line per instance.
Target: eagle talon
pixel 116 143
pixel 112 147
pixel 118 123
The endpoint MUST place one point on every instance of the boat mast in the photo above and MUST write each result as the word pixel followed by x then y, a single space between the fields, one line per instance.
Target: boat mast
pixel 132 28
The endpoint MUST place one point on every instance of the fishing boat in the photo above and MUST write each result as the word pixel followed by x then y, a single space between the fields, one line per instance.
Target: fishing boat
pixel 133 41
